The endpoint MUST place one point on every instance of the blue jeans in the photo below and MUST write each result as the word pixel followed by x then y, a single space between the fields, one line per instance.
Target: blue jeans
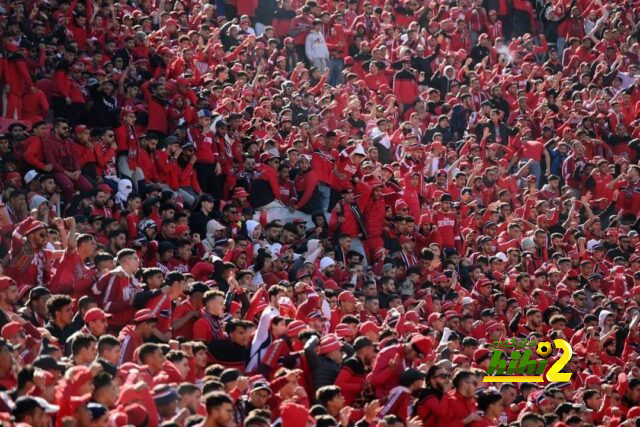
pixel 325 194
pixel 335 71
pixel 535 169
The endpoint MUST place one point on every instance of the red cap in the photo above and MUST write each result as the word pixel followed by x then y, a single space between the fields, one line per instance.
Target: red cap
pixel 80 376
pixel 480 354
pixel 423 344
pixel 5 282
pixel 451 314
pixel 634 412
pixel 343 330
pixel 459 359
pixel 266 156
pixel 10 330
pixel 144 314
pixel 561 293
pixel 400 203
pixel 346 296
pixel 95 314
pixel 368 326
pixel 80 129
pixel 181 229
pixel 34 226
pixel 573 273
pixel 136 414
pixel 239 192
pixel 433 317
pixel 328 343
pixel 295 327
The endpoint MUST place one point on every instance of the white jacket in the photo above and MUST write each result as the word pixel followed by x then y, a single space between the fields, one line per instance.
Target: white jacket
pixel 315 46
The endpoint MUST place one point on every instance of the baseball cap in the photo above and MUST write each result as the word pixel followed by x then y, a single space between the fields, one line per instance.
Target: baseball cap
pixel 95 314
pixel 30 176
pixel 144 315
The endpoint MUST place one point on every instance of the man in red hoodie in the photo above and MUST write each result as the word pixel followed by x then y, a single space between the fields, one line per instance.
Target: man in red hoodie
pixel 134 335
pixel 118 287
pixel 60 152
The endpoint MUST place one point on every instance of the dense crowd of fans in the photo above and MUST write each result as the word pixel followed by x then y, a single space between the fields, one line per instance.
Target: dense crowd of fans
pixel 317 213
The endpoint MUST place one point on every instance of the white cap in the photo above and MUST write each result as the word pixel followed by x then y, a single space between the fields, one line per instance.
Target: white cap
pixel 326 262
pixel 359 150
pixel 591 243
pixel 467 300
pixel 501 256
pixel 527 244
pixel 30 176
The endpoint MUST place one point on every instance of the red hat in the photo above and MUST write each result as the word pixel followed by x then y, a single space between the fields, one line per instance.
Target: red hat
pixel 561 293
pixel 328 343
pixel 409 302
pixel 171 21
pixel 80 376
pixel 33 227
pixel 136 414
pixel 433 317
pixel 480 354
pixel 295 327
pixel 592 379
pixel 143 315
pixel 459 359
pixel 234 307
pixel 95 314
pixel 181 229
pixel 80 129
pixel 412 316
pixel 493 326
pixel 293 414
pixel 346 296
pixel 573 274
pixel 266 156
pixel 451 314
pixel 10 330
pixel 422 344
pixel 5 282
pixel 239 192
pixel 343 330
pixel 368 326
pixel 634 412
pixel 400 203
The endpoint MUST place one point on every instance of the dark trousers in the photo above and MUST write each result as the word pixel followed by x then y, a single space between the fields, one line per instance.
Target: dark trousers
pixel 207 178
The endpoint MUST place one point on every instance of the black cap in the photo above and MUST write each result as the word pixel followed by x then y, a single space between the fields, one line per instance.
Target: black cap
pixel 361 342
pixel 196 287
pixel 229 375
pixel 48 363
pixel 410 376
pixel 25 404
pixel 206 197
pixel 37 292
pixel 595 276
pixel 171 140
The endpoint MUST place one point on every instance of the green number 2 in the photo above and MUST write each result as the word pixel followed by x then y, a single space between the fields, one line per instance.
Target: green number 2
pixel 553 374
